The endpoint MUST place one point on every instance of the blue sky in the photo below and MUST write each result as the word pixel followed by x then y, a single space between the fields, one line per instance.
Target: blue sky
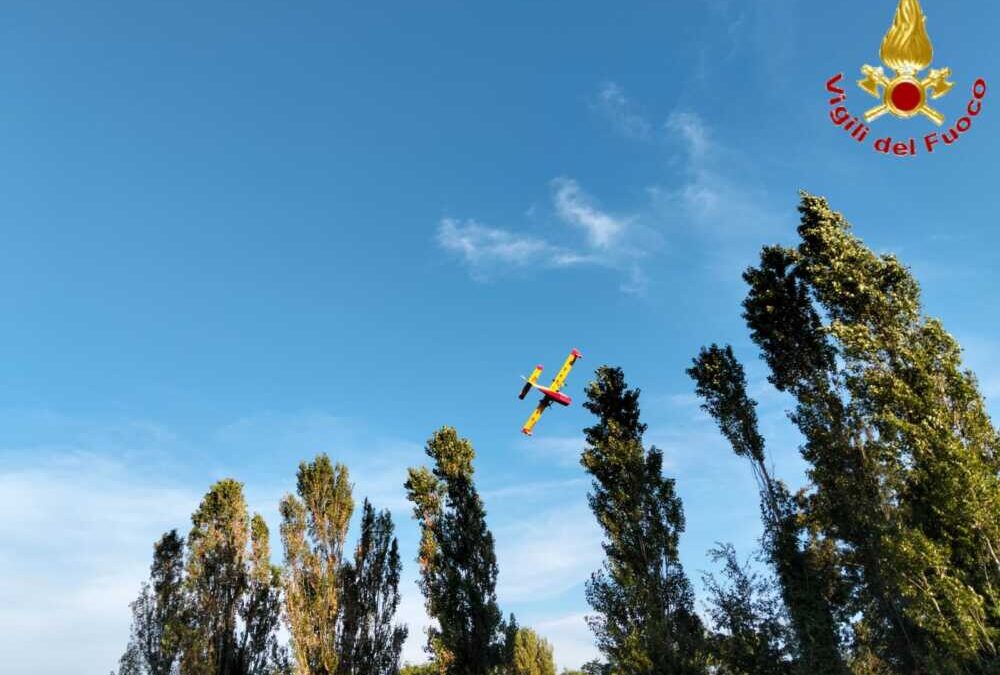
pixel 238 234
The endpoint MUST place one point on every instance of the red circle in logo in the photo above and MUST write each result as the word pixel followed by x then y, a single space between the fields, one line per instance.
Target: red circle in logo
pixel 906 96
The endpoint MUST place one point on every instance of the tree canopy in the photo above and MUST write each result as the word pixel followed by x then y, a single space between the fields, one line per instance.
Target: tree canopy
pixel 893 542
pixel 645 620
pixel 458 566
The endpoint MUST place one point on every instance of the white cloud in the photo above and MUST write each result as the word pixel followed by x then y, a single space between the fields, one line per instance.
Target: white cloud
pixel 612 241
pixel 575 207
pixel 488 251
pixel 713 194
pixel 733 17
pixel 478 244
pixel 625 117
pixel 705 192
pixel 82 513
pixel 622 112
pixel 79 530
pixel 749 40
pixel 692 130
pixel 554 552
pixel 484 249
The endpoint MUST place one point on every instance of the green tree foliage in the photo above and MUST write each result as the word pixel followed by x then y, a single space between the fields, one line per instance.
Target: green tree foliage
pixel 370 643
pixel 158 614
pixel 645 620
pixel 903 463
pixel 458 567
pixel 750 636
pixel 234 591
pixel 804 565
pixel 510 633
pixel 532 654
pixel 429 668
pixel 313 532
pixel 340 614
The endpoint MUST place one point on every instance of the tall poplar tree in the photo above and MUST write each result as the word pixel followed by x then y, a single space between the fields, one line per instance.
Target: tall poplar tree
pixel 804 563
pixel 458 567
pixel 234 590
pixel 904 467
pixel 645 621
pixel 532 654
pixel 370 641
pixel 158 614
pixel 313 531
pixel 340 613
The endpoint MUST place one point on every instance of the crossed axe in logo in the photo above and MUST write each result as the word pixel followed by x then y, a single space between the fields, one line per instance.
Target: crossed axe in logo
pixel 905 95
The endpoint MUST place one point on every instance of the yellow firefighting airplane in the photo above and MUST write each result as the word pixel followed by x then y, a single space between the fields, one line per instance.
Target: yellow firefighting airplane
pixel 550 393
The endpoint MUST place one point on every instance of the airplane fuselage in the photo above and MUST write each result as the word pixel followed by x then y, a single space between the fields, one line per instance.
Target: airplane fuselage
pixel 555 396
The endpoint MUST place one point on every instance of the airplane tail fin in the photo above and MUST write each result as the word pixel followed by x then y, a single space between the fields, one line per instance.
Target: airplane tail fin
pixel 525 389
pixel 529 382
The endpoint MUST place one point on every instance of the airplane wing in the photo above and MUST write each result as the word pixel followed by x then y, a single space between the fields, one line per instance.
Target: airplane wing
pixel 530 424
pixel 557 383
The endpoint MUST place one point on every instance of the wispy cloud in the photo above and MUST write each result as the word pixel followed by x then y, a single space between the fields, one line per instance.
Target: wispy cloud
pixel 704 190
pixel 485 249
pixel 489 252
pixel 622 112
pixel 715 193
pixel 716 190
pixel 553 552
pixel 691 128
pixel 754 40
pixel 575 207
pixel 82 512
pixel 625 117
pixel 77 534
pixel 732 18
